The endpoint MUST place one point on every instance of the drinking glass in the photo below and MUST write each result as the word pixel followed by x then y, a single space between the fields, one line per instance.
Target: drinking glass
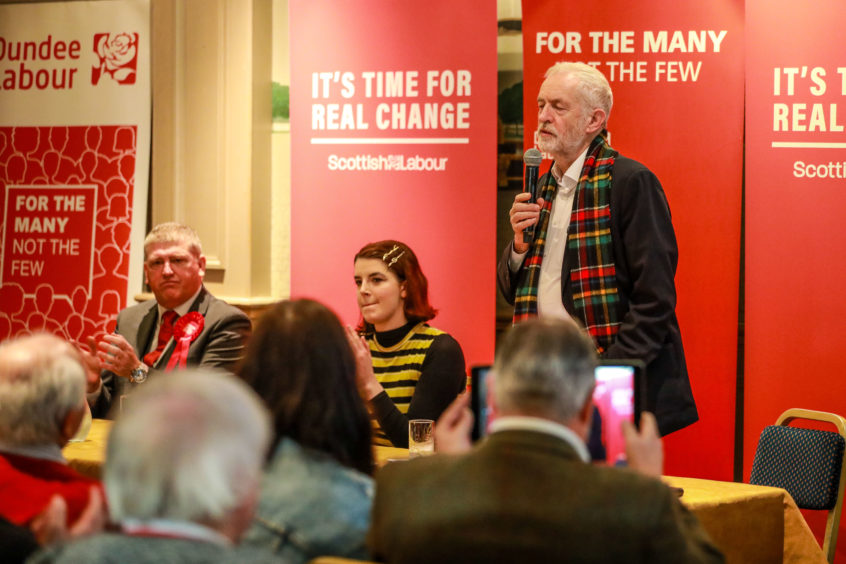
pixel 421 440
pixel 84 426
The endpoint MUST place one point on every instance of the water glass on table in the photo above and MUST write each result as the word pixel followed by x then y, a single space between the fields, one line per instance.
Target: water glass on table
pixel 421 439
pixel 84 426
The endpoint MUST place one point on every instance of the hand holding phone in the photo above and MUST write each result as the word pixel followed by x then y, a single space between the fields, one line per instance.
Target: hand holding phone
pixel 644 449
pixel 617 398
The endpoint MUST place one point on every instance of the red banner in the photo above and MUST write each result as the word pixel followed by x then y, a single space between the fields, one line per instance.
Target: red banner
pixel 52 226
pixel 65 204
pixel 676 70
pixel 393 136
pixel 795 197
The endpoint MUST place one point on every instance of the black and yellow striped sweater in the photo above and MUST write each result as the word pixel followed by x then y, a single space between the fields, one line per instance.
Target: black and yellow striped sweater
pixel 422 371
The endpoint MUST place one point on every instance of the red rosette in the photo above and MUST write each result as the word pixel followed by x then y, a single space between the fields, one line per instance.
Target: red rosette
pixel 185 330
pixel 189 326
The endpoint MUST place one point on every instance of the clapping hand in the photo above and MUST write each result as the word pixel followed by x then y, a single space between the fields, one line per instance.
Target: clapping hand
pixel 88 358
pixel 452 430
pixel 368 386
pixel 50 526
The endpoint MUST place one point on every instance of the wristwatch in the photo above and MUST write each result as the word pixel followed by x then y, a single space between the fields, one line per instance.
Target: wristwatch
pixel 139 375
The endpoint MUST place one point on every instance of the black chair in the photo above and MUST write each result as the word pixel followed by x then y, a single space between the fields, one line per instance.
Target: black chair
pixel 808 463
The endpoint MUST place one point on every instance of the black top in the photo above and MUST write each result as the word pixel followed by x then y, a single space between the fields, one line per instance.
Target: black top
pixel 16 543
pixel 442 378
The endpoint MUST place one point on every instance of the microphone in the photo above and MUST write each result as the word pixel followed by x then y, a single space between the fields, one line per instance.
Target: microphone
pixel 532 159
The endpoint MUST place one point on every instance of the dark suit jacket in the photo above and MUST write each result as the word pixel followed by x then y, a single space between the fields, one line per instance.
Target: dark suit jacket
pixel 523 496
pixel 645 257
pixel 220 344
pixel 16 543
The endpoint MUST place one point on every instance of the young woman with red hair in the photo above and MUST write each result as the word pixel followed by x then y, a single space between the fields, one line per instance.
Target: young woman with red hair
pixel 405 368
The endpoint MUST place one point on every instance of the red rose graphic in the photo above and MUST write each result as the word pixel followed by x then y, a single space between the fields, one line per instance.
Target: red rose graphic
pixel 118 54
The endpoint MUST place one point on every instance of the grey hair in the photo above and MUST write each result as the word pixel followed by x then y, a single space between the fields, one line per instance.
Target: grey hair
pixel 545 367
pixel 188 446
pixel 593 86
pixel 41 381
pixel 172 232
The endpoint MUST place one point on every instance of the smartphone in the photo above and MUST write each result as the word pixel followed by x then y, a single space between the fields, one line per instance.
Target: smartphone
pixel 479 400
pixel 619 395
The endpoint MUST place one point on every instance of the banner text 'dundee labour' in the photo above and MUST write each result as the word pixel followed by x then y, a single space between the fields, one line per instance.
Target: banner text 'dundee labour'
pixel 49 63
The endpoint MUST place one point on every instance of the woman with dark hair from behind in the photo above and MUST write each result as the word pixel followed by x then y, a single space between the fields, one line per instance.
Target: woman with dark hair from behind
pixel 406 369
pixel 317 491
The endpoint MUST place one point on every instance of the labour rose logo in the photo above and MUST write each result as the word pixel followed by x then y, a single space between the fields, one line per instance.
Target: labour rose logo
pixel 118 54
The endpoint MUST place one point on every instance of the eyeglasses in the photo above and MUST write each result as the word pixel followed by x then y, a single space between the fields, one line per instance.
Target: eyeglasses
pixel 175 263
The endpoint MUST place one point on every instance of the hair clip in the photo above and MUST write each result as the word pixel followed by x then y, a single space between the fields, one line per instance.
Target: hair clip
pixel 393 260
pixel 386 255
pixel 389 253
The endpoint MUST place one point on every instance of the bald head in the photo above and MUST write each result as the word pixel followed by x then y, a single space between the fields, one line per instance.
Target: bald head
pixel 42 381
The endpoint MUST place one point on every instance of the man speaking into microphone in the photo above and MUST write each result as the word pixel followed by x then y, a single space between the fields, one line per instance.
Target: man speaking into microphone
pixel 184 325
pixel 603 249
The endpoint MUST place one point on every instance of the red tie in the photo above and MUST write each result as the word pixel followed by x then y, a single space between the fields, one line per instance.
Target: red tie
pixel 165 333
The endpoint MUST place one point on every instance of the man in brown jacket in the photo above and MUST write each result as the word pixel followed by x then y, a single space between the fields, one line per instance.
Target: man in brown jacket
pixel 527 493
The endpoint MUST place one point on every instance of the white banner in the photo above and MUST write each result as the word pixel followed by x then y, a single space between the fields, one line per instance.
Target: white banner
pixel 74 162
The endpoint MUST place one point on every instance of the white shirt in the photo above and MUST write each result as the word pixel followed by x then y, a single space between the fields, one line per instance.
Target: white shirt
pixel 549 285
pixel 538 425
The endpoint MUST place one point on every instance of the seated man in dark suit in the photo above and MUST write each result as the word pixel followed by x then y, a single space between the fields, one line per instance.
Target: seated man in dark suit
pixel 185 325
pixel 42 403
pixel 182 472
pixel 527 492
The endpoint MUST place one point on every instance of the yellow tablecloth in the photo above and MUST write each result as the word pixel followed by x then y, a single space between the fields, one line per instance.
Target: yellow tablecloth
pixel 384 454
pixel 750 523
pixel 87 457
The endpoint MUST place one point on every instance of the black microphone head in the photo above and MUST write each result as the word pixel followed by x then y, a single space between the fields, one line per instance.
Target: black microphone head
pixel 532 157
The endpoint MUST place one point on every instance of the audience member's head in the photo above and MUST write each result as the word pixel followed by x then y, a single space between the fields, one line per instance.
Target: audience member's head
pixel 299 361
pixel 400 261
pixel 545 368
pixel 42 391
pixel 189 447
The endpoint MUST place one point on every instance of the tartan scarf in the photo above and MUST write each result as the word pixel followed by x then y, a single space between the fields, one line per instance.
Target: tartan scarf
pixel 593 278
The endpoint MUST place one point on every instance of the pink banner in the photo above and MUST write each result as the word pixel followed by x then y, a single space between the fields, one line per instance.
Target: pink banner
pixel 795 197
pixel 676 69
pixel 393 136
